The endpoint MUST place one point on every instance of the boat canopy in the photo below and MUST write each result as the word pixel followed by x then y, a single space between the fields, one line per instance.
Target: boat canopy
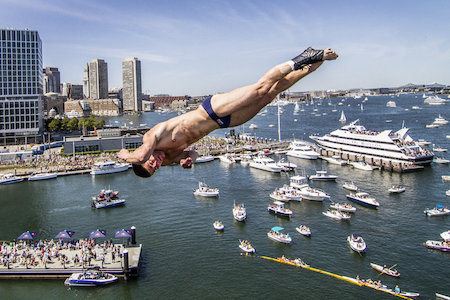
pixel 277 228
pixel 278 203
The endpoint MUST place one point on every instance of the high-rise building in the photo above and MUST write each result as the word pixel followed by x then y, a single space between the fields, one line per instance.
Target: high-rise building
pixel 132 86
pixel 52 81
pixel 20 86
pixel 95 79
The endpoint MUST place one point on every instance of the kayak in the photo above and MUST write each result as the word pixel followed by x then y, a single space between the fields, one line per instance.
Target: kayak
pixel 384 270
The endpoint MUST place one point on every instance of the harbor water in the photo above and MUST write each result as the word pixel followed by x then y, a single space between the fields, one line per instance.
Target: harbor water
pixel 185 258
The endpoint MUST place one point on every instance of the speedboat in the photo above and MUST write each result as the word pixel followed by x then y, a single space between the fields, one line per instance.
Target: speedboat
pixel 275 234
pixel 227 158
pixel 305 191
pixel 322 176
pixel 253 126
pixel 350 186
pixel 203 159
pixel 439 210
pixel 300 149
pixel 246 246
pixel 336 214
pixel 278 208
pixel 239 212
pixel 265 163
pixel 356 242
pixel 336 160
pixel 343 207
pixel 9 178
pixel 42 176
pixel 446 235
pixel 92 277
pixel 218 225
pixel 364 199
pixel 304 230
pixel 445 178
pixel 286 165
pixel 286 193
pixel 385 270
pixel 205 191
pixel 107 198
pixel 438 245
pixel 361 165
pixel 440 121
pixel 108 167
pixel 440 160
pixel 396 188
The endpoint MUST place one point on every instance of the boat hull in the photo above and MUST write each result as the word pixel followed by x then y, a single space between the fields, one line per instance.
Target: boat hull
pixel 121 168
pixel 361 202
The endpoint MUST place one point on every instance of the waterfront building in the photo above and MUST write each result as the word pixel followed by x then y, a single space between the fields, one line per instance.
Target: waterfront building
pixel 95 80
pixel 132 87
pixel 52 80
pixel 72 91
pixel 20 86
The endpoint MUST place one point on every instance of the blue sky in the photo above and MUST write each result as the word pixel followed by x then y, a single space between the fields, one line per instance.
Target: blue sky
pixel 210 46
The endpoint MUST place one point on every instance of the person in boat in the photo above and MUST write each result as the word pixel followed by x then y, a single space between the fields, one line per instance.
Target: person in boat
pixel 166 143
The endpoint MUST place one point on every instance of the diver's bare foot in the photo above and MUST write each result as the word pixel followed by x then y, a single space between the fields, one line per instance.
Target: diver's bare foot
pixel 329 54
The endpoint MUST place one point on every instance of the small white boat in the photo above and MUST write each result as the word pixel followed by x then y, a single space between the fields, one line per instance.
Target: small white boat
pixel 446 235
pixel 265 163
pixel 357 243
pixel 253 126
pixel 304 230
pixel 205 191
pixel 107 198
pixel 335 160
pixel 323 176
pixel 275 234
pixel 447 193
pixel 305 191
pixel 445 178
pixel 300 149
pixel 385 270
pixel 218 225
pixel 336 214
pixel 350 186
pixel 108 167
pixel 246 246
pixel 239 212
pixel 278 208
pixel 203 159
pixel 42 176
pixel 431 126
pixel 423 142
pixel 391 104
pixel 442 296
pixel 9 178
pixel 439 149
pixel 361 165
pixel 439 210
pixel 440 160
pixel 440 121
pixel 396 188
pixel 438 245
pixel 343 207
pixel 227 158
pixel 364 199
pixel 342 119
pixel 286 165
pixel 91 277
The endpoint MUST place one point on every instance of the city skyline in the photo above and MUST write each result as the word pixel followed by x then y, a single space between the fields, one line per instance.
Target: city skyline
pixel 206 47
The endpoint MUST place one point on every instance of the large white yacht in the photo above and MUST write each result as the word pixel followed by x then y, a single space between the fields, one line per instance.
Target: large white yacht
pixel 265 163
pixel 108 167
pixel 300 149
pixel 387 146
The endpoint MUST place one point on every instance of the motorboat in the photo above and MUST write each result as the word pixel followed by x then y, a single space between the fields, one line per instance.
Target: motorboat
pixel 387 145
pixel 391 104
pixel 363 199
pixel 440 121
pixel 357 243
pixel 438 245
pixel 227 158
pixel 265 163
pixel 350 186
pixel 445 178
pixel 305 191
pixel 107 198
pixel 336 214
pixel 396 189
pixel 447 193
pixel 275 234
pixel 218 225
pixel 286 165
pixel 278 208
pixel 362 165
pixel 432 125
pixel 204 158
pixel 300 149
pixel 90 277
pixel 283 194
pixel 439 149
pixel 9 178
pixel 253 126
pixel 205 191
pixel 423 142
pixel 304 230
pixel 440 160
pixel 42 176
pixel 246 246
pixel 323 175
pixel 446 235
pixel 335 160
pixel 385 270
pixel 434 100
pixel 108 167
pixel 239 212
pixel 343 207
pixel 439 210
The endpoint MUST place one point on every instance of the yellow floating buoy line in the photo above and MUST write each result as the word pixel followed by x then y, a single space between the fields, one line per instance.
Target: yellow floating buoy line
pixel 300 264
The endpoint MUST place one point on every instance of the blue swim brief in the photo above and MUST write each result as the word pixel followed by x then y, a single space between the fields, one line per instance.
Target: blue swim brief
pixel 223 122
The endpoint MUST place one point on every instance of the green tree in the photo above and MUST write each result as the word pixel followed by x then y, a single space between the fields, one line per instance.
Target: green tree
pixel 54 125
pixel 100 123
pixel 81 123
pixel 73 124
pixel 65 123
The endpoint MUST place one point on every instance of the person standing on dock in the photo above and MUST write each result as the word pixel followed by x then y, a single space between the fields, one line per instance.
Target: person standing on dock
pixel 166 142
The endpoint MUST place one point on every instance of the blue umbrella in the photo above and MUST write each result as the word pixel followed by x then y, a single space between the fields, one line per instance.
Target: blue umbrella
pixel 97 234
pixel 123 233
pixel 27 235
pixel 65 234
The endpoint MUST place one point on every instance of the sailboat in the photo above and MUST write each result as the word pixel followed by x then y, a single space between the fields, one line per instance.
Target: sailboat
pixel 296 108
pixel 343 119
pixel 362 107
